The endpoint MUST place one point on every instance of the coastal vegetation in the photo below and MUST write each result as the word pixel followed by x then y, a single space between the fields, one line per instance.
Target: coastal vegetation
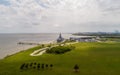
pixel 59 49
pixel 91 59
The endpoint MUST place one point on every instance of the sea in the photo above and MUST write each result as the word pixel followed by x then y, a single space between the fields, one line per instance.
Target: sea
pixel 9 42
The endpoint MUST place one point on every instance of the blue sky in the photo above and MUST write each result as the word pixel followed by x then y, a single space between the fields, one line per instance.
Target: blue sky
pixel 38 16
pixel 4 2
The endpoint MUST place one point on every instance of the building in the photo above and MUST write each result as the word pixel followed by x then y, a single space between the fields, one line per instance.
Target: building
pixel 83 39
pixel 60 38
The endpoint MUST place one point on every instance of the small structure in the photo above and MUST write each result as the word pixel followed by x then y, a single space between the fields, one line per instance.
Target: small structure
pixel 60 39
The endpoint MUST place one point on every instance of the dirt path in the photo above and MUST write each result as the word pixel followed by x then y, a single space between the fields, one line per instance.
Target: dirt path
pixel 43 50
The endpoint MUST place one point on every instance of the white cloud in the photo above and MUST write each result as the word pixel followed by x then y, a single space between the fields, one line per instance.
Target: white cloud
pixel 59 15
pixel 56 25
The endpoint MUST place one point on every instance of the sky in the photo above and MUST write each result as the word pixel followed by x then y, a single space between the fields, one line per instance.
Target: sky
pixel 55 16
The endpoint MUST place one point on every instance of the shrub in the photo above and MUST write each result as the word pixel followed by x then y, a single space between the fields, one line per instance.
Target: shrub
pixel 60 49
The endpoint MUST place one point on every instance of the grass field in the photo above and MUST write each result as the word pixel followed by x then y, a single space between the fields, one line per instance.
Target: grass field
pixel 92 58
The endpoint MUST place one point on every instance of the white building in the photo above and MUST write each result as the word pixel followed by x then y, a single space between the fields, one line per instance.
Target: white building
pixel 83 39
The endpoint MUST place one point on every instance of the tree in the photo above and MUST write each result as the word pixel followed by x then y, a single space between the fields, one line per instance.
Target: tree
pixel 26 66
pixel 76 68
pixel 46 65
pixel 35 63
pixel 42 66
pixel 38 66
pixel 22 66
pixel 31 64
pixel 51 66
pixel 34 67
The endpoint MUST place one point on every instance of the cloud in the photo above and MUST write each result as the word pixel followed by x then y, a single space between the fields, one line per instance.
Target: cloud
pixel 59 15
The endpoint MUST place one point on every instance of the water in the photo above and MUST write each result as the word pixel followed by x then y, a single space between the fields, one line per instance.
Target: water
pixel 8 42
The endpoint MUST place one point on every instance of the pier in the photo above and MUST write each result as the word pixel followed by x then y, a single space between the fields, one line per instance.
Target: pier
pixel 27 43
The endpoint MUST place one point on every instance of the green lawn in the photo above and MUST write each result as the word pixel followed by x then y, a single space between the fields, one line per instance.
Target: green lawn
pixel 92 58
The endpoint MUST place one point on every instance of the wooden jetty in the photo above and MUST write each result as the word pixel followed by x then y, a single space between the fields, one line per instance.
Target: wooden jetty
pixel 27 43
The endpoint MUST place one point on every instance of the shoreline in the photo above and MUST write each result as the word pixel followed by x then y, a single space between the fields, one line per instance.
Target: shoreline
pixel 24 48
pixel 21 50
pixel 9 42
